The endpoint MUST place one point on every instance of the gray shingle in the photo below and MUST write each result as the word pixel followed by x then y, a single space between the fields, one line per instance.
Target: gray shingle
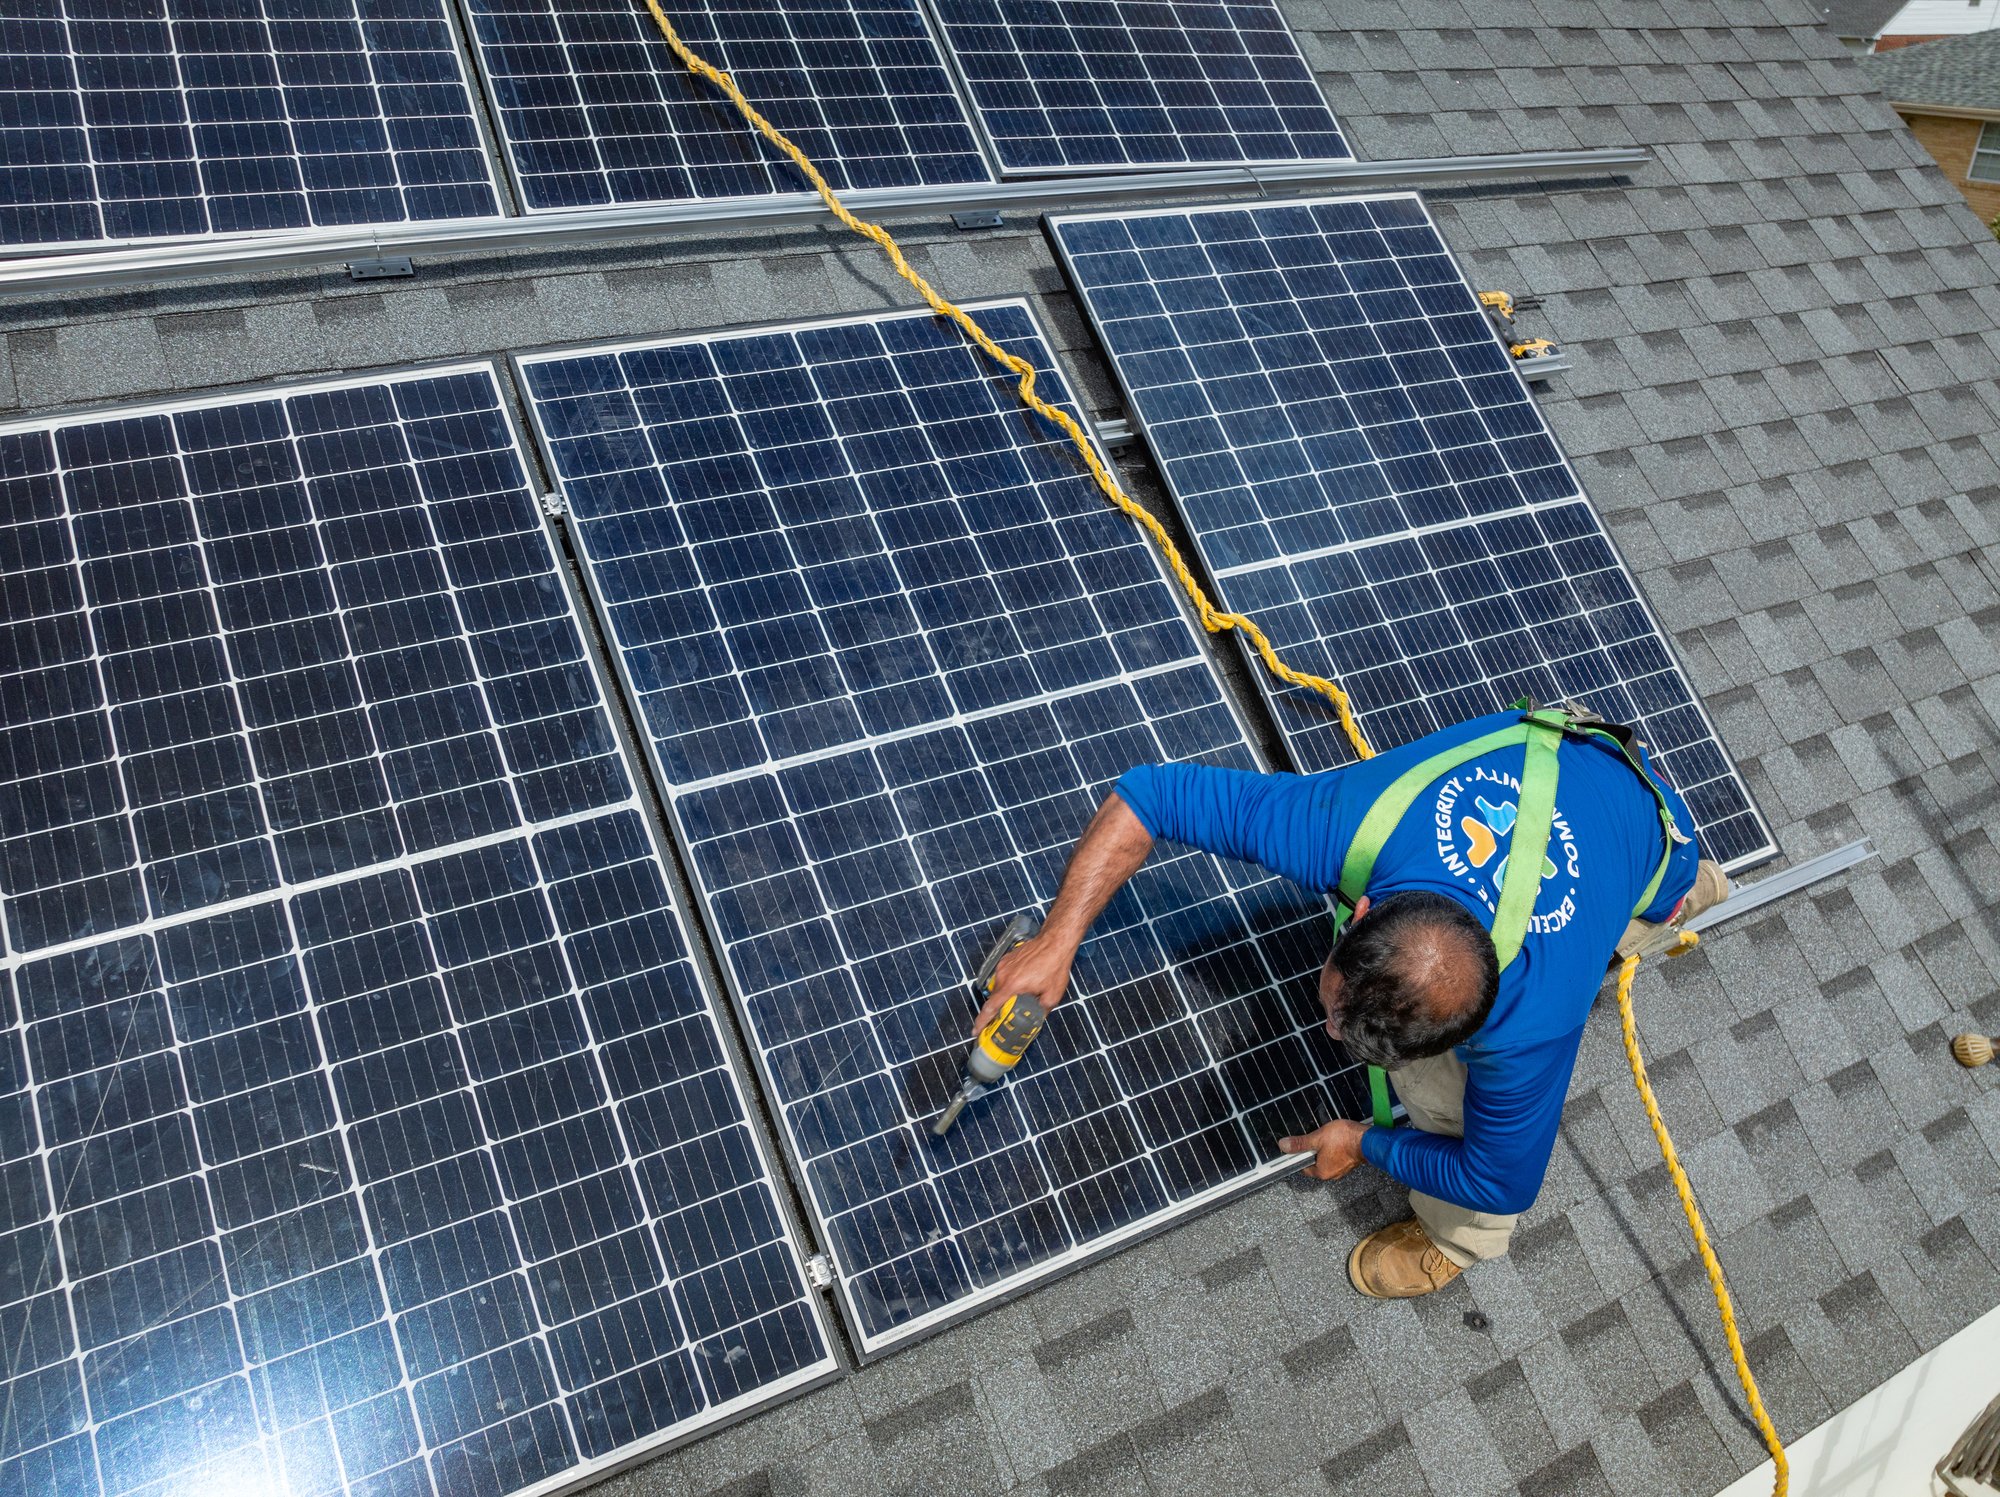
pixel 1553 1261
pixel 1110 1467
pixel 1455 1447
pixel 1955 964
pixel 1779 1149
pixel 1191 1450
pixel 937 1445
pixel 87 361
pixel 1876 1342
pixel 1952 1264
pixel 1513 1418
pixel 1678 1425
pixel 1100 1381
pixel 1728 1185
pixel 1384 1333
pixel 1799 1406
pixel 1384 1462
pixel 1632 1464
pixel 1289 1418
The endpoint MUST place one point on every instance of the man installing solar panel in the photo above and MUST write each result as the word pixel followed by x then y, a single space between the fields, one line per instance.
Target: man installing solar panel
pixel 1464 978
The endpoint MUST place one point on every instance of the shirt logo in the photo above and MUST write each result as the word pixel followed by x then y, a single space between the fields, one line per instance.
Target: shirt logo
pixel 1476 812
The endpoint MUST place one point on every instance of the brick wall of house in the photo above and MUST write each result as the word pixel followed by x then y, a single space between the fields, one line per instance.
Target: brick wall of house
pixel 1949 141
pixel 1891 43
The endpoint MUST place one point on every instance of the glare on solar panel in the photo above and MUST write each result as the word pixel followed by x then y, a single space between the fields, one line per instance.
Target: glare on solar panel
pixel 1112 85
pixel 1366 474
pixel 365 1123
pixel 890 648
pixel 596 109
pixel 169 117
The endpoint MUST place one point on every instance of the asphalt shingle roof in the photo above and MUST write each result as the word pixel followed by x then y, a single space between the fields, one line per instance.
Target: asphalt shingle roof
pixel 1960 72
pixel 1861 18
pixel 1786 401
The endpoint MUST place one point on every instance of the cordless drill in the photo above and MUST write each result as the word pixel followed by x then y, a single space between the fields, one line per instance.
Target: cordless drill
pixel 999 1046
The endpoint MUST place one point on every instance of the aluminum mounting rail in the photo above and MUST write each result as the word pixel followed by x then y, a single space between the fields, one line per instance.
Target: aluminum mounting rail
pixel 1743 898
pixel 132 262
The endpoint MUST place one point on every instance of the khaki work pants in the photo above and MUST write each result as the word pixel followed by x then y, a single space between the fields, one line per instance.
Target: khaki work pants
pixel 1433 1093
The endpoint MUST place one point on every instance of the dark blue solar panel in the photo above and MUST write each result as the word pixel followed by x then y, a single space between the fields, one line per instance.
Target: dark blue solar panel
pixel 264 642
pixel 1366 474
pixel 891 647
pixel 1102 85
pixel 595 108
pixel 166 117
pixel 364 1121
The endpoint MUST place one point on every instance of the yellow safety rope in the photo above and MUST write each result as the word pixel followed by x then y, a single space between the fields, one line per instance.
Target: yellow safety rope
pixel 1781 1468
pixel 1216 621
pixel 1213 619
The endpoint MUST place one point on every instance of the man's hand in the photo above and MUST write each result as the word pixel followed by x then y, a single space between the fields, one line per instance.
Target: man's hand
pixel 1336 1147
pixel 1109 852
pixel 1039 965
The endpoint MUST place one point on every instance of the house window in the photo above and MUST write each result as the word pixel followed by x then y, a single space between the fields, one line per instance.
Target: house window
pixel 1986 155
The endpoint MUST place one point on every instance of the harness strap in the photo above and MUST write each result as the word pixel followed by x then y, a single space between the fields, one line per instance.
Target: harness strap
pixel 1528 843
pixel 1386 814
pixel 1394 803
pixel 1541 732
pixel 1674 836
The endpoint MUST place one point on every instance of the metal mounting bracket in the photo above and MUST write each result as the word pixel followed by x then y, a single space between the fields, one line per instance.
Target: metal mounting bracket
pixel 1115 433
pixel 1534 371
pixel 381 268
pixel 978 218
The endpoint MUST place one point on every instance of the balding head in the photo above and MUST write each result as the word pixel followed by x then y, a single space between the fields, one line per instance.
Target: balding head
pixel 1414 974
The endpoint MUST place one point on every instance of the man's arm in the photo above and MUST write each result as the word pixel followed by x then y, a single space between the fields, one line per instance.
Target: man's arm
pixel 1107 854
pixel 1513 1107
pixel 1279 821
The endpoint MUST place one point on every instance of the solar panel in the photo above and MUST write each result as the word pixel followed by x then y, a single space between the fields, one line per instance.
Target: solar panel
pixel 365 1124
pixel 1365 474
pixel 1110 85
pixel 596 109
pixel 890 648
pixel 172 117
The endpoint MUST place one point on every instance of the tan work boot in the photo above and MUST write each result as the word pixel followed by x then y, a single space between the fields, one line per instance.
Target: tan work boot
pixel 1399 1262
pixel 1711 887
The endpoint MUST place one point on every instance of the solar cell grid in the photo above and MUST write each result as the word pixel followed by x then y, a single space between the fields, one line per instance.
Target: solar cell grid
pixel 1108 85
pixel 891 649
pixel 174 117
pixel 1429 630
pixel 263 642
pixel 1366 474
pixel 596 109
pixel 409 1159
pixel 1313 375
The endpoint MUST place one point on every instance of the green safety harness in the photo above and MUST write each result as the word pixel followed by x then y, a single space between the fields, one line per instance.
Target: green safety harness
pixel 1541 730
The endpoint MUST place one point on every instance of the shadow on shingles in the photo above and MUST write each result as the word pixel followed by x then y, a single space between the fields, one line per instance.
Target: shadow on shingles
pixel 1944 823
pixel 1949 823
pixel 1726 1387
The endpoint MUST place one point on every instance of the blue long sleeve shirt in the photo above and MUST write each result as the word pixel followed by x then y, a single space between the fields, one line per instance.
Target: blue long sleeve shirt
pixel 1603 847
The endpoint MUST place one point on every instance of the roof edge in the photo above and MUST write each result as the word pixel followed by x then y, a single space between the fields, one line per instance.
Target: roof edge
pixel 1954 111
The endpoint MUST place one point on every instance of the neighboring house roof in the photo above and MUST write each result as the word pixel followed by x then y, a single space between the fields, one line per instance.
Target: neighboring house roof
pixel 1862 18
pixel 1785 401
pixel 1958 72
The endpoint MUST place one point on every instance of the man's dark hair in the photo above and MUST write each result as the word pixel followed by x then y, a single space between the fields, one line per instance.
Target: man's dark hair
pixel 1418 976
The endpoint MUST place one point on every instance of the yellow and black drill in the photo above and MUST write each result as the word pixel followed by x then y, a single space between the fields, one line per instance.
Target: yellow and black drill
pixel 997 1048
